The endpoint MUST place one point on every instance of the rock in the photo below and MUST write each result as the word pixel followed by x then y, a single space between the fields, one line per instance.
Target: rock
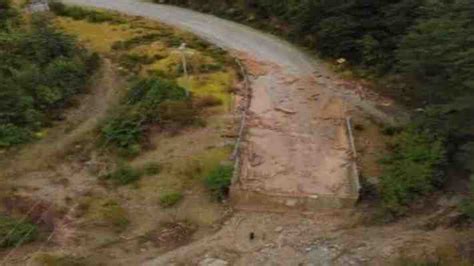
pixel 279 229
pixel 213 262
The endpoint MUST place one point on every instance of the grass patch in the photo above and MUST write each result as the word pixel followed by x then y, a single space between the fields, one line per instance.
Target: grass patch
pixel 170 199
pixel 92 35
pixel 14 232
pixel 219 181
pixel 214 85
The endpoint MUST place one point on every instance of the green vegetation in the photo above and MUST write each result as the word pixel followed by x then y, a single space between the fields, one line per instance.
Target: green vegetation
pixel 420 53
pixel 468 204
pixel 219 181
pixel 169 199
pixel 41 68
pixel 14 232
pixel 413 169
pixel 149 101
pixel 80 13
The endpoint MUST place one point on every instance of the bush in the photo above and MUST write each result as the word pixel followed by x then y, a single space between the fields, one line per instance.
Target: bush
pixel 219 181
pixel 468 204
pixel 123 130
pixel 169 199
pixel 413 170
pixel 124 175
pixel 12 135
pixel 149 101
pixel 14 232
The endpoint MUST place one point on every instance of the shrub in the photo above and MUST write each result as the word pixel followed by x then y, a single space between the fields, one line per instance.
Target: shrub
pixel 124 175
pixel 12 135
pixel 169 199
pixel 151 100
pixel 123 130
pixel 150 93
pixel 133 62
pixel 14 232
pixel 219 181
pixel 413 170
pixel 468 204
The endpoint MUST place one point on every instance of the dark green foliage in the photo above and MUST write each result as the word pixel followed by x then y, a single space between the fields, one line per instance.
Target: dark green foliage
pixel 124 130
pixel 14 232
pixel 40 68
pixel 134 62
pixel 8 15
pixel 468 204
pixel 412 170
pixel 219 181
pixel 124 175
pixel 169 199
pixel 80 13
pixel 12 135
pixel 149 101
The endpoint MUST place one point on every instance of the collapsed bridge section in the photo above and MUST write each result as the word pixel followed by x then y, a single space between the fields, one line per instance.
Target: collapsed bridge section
pixel 297 152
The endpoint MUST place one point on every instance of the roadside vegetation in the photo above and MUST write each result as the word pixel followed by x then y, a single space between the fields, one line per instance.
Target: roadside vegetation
pixel 15 232
pixel 156 137
pixel 417 51
pixel 41 69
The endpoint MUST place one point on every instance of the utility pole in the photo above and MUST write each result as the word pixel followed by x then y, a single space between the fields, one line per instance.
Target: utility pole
pixel 182 49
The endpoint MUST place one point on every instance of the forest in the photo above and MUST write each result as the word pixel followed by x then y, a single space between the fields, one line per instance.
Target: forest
pixel 419 52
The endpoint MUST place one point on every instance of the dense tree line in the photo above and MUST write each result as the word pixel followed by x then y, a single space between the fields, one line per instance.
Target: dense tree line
pixel 422 50
pixel 40 69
